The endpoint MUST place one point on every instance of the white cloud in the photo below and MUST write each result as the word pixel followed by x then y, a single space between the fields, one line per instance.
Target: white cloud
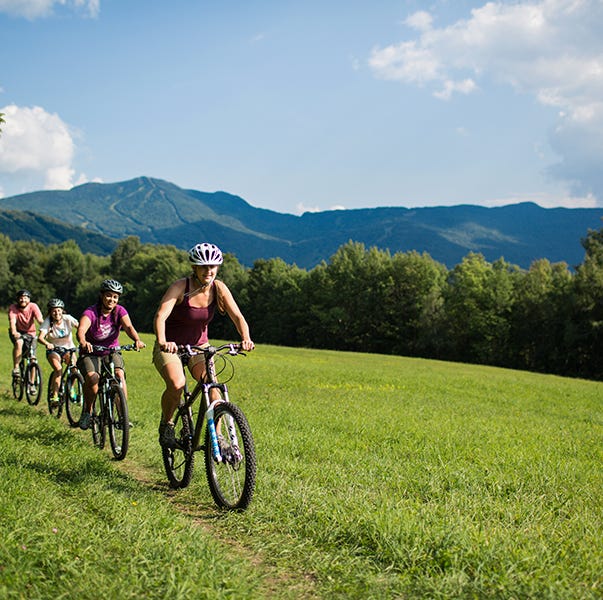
pixel 36 149
pixel 551 49
pixel 33 9
pixel 420 20
pixel 464 87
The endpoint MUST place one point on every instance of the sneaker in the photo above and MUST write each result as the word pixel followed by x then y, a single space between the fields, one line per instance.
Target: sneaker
pixel 32 389
pixel 84 422
pixel 55 400
pixel 167 435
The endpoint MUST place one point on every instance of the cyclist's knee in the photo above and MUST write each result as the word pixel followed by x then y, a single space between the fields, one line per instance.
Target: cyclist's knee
pixel 92 379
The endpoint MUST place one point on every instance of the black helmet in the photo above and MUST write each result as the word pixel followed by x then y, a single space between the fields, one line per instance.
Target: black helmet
pixel 55 303
pixel 23 293
pixel 111 285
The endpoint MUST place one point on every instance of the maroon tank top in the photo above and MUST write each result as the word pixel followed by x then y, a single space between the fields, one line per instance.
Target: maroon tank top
pixel 188 324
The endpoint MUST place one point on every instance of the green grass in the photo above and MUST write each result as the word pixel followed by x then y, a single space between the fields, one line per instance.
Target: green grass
pixel 378 477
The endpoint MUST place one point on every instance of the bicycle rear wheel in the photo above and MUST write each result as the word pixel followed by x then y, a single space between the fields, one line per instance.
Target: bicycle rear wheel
pixel 74 398
pixel 55 408
pixel 118 422
pixel 180 461
pixel 33 383
pixel 97 421
pixel 232 480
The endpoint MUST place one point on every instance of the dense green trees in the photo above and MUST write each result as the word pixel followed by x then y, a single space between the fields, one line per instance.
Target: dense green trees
pixel 547 318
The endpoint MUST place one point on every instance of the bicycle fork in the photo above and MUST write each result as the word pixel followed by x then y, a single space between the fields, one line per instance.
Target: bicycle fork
pixel 211 425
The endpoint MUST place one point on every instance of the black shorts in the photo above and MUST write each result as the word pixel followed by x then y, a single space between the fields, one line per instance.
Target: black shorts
pixel 60 351
pixel 28 339
pixel 89 363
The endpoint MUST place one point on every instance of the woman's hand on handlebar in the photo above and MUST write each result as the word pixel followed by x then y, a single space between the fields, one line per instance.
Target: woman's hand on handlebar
pixel 247 345
pixel 171 347
pixel 86 348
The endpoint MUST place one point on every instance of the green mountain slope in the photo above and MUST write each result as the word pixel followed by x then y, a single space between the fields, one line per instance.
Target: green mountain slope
pixel 161 212
pixel 19 225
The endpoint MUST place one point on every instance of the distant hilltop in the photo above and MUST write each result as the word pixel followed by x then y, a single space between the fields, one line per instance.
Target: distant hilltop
pixel 98 215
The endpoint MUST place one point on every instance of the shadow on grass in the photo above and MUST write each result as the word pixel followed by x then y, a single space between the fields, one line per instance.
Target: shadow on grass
pixel 67 461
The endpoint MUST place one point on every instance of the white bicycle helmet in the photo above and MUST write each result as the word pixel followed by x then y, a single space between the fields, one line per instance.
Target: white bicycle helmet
pixel 111 285
pixel 205 254
pixel 55 303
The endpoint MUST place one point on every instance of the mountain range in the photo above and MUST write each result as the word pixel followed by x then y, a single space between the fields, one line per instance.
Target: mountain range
pixel 98 215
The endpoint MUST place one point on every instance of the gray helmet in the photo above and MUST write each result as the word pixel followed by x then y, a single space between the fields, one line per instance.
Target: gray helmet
pixel 205 254
pixel 111 285
pixel 23 293
pixel 55 303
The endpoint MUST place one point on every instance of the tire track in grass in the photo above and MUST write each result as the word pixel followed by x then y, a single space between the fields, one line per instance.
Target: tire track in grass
pixel 276 584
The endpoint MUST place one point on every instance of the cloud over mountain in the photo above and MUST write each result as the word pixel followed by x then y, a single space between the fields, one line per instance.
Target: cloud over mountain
pixel 550 49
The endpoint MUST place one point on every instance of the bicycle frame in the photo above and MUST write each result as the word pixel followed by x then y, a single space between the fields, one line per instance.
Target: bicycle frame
pixel 28 352
pixel 206 408
pixel 107 379
pixel 68 365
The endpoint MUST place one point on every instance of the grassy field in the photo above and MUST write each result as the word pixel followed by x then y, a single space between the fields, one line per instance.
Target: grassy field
pixel 378 477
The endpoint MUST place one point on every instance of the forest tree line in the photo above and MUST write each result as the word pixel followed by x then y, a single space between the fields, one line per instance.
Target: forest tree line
pixel 548 318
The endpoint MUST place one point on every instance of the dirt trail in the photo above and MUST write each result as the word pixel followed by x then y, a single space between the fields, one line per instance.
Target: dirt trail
pixel 276 584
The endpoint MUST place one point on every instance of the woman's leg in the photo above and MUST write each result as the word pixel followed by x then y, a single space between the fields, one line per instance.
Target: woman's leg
pixel 174 378
pixel 55 362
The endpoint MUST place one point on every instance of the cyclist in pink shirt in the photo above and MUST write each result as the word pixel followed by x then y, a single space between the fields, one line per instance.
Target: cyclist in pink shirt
pixel 100 326
pixel 22 318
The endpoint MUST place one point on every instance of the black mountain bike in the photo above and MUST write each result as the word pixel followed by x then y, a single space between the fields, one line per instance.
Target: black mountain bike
pixel 71 389
pixel 230 462
pixel 29 379
pixel 110 408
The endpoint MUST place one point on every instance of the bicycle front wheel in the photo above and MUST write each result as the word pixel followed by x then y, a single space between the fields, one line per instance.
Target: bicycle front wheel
pixel 232 479
pixel 97 422
pixel 118 422
pixel 180 461
pixel 74 398
pixel 33 383
pixel 55 408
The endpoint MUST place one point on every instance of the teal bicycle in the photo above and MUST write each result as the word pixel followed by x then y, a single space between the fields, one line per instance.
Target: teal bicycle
pixel 71 389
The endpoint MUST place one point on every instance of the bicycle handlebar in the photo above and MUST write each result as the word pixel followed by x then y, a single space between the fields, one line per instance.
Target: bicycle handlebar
pixel 127 348
pixel 191 350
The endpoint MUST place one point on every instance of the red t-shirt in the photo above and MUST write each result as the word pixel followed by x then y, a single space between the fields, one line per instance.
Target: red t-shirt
pixel 25 318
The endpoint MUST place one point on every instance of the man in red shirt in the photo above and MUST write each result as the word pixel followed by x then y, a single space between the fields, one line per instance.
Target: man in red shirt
pixel 22 317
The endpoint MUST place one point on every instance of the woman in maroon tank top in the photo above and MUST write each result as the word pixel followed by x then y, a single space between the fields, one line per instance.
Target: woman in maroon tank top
pixel 184 313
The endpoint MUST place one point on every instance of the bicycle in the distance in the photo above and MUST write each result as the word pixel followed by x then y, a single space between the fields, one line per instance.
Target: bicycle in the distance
pixel 71 388
pixel 230 461
pixel 29 378
pixel 110 407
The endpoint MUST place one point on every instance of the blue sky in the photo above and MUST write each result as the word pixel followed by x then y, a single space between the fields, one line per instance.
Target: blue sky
pixel 308 105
